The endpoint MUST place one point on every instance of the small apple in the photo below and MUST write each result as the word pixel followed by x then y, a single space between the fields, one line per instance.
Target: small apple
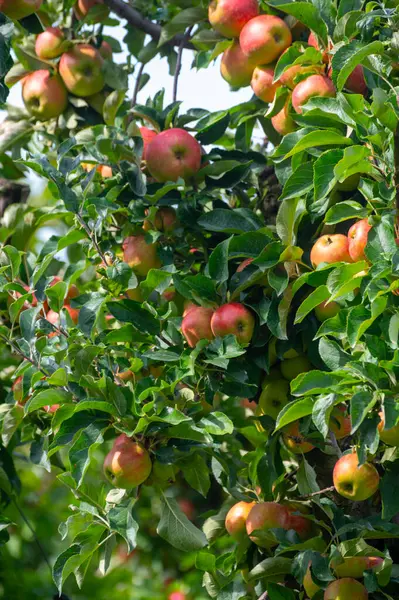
pixel 165 220
pixel 357 236
pixel 292 367
pixel 228 17
pixel 346 589
pixel 139 255
pixel 187 507
pixel 81 70
pixel 19 9
pixel 177 595
pixel 173 154
pixel 350 184
pixel 311 588
pixel 340 422
pixel 262 518
pixel 236 519
pixel 262 83
pixel 44 95
pixel 274 396
pixel 196 325
pixel 235 67
pixel 313 86
pixel 330 249
pixel 312 41
pixel 148 135
pixel 390 436
pixel 326 310
pixel 128 464
pixel 233 318
pixel 355 482
pixel 105 50
pixel 354 566
pixel 356 82
pixel 50 43
pixel 264 38
pixel 282 122
pixel 294 440
pixel 83 7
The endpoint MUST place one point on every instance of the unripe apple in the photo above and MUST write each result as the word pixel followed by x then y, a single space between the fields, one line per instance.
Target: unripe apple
pixel 264 38
pixel 196 325
pixel 105 50
pixel 357 236
pixel 165 220
pixel 235 67
pixel 162 474
pixel 49 44
pixel 44 95
pixel 354 566
pixel 83 7
pixel 173 154
pixel 282 122
pixel 228 17
pixel 312 41
pixel 236 519
pixel 292 367
pixel 274 397
pixel 81 70
pixel 388 436
pixel 313 86
pixel 310 586
pixel 148 135
pixel 326 310
pixel 262 83
pixel 19 9
pixel 233 318
pixel 330 249
pixel 139 255
pixel 354 482
pixel 294 440
pixel 263 517
pixel 128 464
pixel 346 589
pixel 340 422
pixel 350 184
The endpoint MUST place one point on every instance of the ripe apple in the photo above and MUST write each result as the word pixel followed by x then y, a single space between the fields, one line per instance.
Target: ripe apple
pixel 80 69
pixel 326 310
pixel 83 7
pixel 299 523
pixel 282 122
pixel 233 318
pixel 356 82
pixel 346 589
pixel 187 507
pixel 340 422
pixel 312 41
pixel 354 566
pixel 330 249
pixel 139 255
pixel 228 17
pixel 49 44
pixel 262 83
pixel 292 367
pixel 19 9
pixel 288 77
pixel 105 50
pixel 294 440
pixel 128 464
pixel 263 517
pixel 17 390
pixel 357 236
pixel 148 135
pixel 44 95
pixel 264 38
pixel 314 85
pixel 178 595
pixel 235 67
pixel 310 586
pixel 165 220
pixel 354 482
pixel 274 397
pixel 388 436
pixel 196 325
pixel 173 154
pixel 236 519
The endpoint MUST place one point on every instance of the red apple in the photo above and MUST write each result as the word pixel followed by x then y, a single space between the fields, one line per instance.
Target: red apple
pixel 19 9
pixel 264 38
pixel 299 523
pixel 282 122
pixel 49 44
pixel 312 41
pixel 148 135
pixel 313 86
pixel 263 517
pixel 346 589
pixel 357 236
pixel 262 83
pixel 83 7
pixel 128 464
pixel 235 67
pixel 356 82
pixel 80 69
pixel 340 422
pixel 330 249
pixel 294 440
pixel 236 519
pixel 165 220
pixel 354 482
pixel 105 50
pixel 16 388
pixel 233 318
pixel 178 595
pixel 326 310
pixel 173 154
pixel 187 507
pixel 139 255
pixel 388 436
pixel 44 95
pixel 288 77
pixel 228 17
pixel 196 325
pixel 354 566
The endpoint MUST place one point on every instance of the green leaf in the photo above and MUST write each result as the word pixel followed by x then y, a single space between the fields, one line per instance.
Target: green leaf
pixel 306 478
pixel 324 179
pixel 344 211
pixel 305 12
pixel 83 448
pixel 299 183
pixel 389 489
pixel 196 473
pixel 216 423
pixel 293 411
pixel 132 312
pixel 230 221
pixel 361 405
pixel 319 138
pixel 183 19
pixel 218 262
pixel 318 296
pixel 121 521
pixel 349 56
pixel 271 567
pixel 332 354
pixel 315 382
pixel 47 398
pixel 175 528
pixel 322 411
pixel 278 592
pixel 360 319
pixel 65 564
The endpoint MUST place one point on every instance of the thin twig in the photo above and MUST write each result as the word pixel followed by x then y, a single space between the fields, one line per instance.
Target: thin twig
pixel 183 42
pixel 21 353
pixel 137 86
pixel 92 238
pixel 323 491
pixel 264 596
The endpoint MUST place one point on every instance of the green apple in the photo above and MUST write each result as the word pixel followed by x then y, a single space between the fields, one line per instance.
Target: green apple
pixel 292 367
pixel 274 397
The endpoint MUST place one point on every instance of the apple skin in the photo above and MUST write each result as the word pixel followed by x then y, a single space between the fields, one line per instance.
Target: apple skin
pixel 139 255
pixel 196 325
pixel 19 9
pixel 49 44
pixel 187 507
pixel 313 86
pixel 16 388
pixel 265 516
pixel 228 17
pixel 354 566
pixel 309 585
pixel 288 77
pixel 282 122
pixel 294 440
pixel 83 7
pixel 233 318
pixel 354 482
pixel 44 95
pixel 105 50
pixel 330 249
pixel 165 220
pixel 299 523
pixel 177 596
pixel 357 236
pixel 236 519
pixel 346 589
pixel 128 464
pixel 312 41
pixel 148 135
pixel 235 68
pixel 264 38
pixel 390 437
pixel 262 84
pixel 173 154
pixel 356 82
pixel 274 397
pixel 80 69
pixel 292 367
pixel 326 310
pixel 340 422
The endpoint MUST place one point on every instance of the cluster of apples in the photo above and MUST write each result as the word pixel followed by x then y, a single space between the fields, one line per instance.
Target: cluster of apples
pixel 20 9
pixel 258 42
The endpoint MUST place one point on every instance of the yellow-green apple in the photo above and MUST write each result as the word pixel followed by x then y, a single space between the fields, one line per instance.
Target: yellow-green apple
pixel 312 41
pixel 388 436
pixel 50 43
pixel 349 184
pixel 292 367
pixel 139 255
pixel 330 249
pixel 264 38
pixel 274 397
pixel 262 518
pixel 173 154
pixel 162 474
pixel 148 135
pixel 228 17
pixel 311 588
pixel 282 122
pixel 44 95
pixel 83 7
pixel 346 589
pixel 355 482
pixel 326 310
pixel 299 523
pixel 96 101
pixel 262 83
pixel 340 422
pixel 19 9
pixel 128 464
pixel 233 318
pixel 294 440
pixel 105 50
pixel 357 236
pixel 312 86
pixel 196 325
pixel 274 374
pixel 80 69
pixel 355 566
pixel 165 220
pixel 236 519
pixel 235 67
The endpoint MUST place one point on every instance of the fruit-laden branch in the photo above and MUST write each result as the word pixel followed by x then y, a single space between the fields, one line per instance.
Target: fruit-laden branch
pixel 135 19
pixel 396 150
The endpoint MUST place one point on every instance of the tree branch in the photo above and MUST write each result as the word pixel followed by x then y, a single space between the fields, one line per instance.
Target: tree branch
pixel 137 86
pixel 134 18
pixel 396 179
pixel 184 40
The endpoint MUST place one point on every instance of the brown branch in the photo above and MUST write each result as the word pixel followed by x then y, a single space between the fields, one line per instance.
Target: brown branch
pixel 137 85
pixel 324 491
pixel 92 238
pixel 184 40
